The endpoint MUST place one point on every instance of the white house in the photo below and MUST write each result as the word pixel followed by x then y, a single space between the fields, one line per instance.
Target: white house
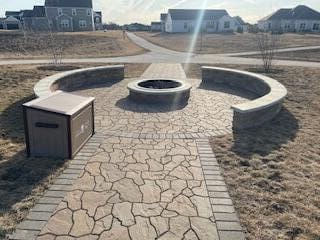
pixel 186 20
pixel 156 26
pixel 163 19
pixel 298 19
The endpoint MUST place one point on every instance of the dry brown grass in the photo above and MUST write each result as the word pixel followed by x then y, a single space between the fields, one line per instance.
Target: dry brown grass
pixel 225 43
pixel 22 179
pixel 305 55
pixel 273 171
pixel 80 44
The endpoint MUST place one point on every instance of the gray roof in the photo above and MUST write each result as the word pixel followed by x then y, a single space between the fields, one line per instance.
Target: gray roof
pixel 39 11
pixel 26 13
pixel 240 20
pixel 12 13
pixel 193 14
pixel 300 12
pixel 69 3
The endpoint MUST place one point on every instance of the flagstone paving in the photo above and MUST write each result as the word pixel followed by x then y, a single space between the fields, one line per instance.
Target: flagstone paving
pixel 138 189
pixel 148 173
pixel 208 112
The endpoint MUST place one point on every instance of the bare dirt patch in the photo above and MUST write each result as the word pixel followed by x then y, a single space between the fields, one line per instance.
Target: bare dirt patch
pixel 85 44
pixel 22 179
pixel 273 171
pixel 224 43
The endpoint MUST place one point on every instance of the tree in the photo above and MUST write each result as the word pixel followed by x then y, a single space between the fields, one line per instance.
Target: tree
pixel 47 41
pixel 267 45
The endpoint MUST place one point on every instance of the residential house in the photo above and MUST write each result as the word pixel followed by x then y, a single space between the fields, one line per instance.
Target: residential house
pixel 11 21
pixel 163 19
pixel 134 27
pixel 186 20
pixel 70 15
pixel 34 19
pixel 241 25
pixel 97 17
pixel 15 14
pixel 2 23
pixel 298 19
pixel 60 15
pixel 156 27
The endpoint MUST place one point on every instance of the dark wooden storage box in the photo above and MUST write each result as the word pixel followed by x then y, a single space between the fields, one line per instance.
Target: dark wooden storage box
pixel 58 125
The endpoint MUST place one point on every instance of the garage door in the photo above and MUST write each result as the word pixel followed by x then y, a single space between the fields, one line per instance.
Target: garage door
pixel 12 26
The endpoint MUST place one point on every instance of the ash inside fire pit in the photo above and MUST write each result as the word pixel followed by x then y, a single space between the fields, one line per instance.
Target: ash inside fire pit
pixel 159 84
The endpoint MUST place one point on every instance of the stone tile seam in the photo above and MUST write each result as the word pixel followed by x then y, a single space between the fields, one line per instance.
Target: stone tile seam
pixel 168 136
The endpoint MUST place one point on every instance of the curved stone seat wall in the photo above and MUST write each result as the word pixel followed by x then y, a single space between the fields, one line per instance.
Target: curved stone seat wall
pixel 80 78
pixel 270 94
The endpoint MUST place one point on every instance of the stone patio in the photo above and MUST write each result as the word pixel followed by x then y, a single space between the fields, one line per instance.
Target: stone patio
pixel 207 114
pixel 148 173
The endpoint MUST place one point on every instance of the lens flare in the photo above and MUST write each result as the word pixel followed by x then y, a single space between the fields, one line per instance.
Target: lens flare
pixel 195 35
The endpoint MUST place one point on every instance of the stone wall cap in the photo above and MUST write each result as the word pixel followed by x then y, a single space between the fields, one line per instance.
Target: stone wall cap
pixel 42 88
pixel 276 95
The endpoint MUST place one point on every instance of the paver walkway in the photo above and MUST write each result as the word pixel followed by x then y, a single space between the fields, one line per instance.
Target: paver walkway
pixel 137 186
pixel 165 70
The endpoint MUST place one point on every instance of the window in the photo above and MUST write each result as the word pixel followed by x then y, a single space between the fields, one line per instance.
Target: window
pixel 59 11
pixel 302 26
pixel 185 25
pixel 89 12
pixel 74 12
pixel 226 24
pixel 287 26
pixel 210 24
pixel 65 23
pixel 269 25
pixel 97 20
pixel 82 23
pixel 316 26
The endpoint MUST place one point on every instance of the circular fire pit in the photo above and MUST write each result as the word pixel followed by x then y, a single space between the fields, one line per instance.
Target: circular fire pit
pixel 163 91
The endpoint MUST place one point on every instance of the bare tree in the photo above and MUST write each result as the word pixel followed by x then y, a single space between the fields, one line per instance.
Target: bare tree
pixel 55 43
pixel 47 41
pixel 267 45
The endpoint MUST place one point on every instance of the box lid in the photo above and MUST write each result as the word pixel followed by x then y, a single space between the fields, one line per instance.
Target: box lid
pixel 60 102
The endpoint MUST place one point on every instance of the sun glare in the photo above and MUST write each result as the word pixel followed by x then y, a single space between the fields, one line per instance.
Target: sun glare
pixel 196 31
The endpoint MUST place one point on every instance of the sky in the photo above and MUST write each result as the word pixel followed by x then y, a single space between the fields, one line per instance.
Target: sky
pixel 145 11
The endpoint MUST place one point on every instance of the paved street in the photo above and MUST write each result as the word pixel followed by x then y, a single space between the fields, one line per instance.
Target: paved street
pixel 158 54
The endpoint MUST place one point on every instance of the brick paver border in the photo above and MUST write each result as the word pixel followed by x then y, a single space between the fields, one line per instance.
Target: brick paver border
pixel 38 216
pixel 227 221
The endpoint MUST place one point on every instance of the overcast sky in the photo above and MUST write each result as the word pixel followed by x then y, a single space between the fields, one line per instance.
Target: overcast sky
pixel 126 11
